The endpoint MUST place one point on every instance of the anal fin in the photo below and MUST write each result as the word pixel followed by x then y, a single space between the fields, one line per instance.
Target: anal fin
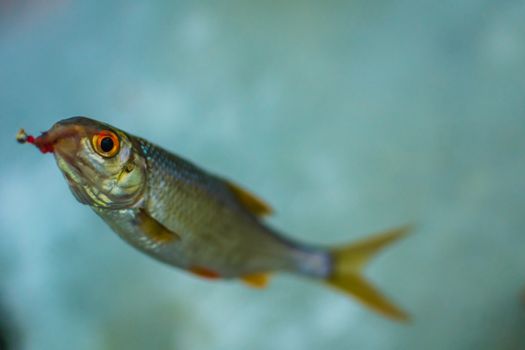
pixel 258 280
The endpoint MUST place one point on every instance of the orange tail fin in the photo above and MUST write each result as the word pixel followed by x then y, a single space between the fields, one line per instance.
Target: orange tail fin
pixel 348 263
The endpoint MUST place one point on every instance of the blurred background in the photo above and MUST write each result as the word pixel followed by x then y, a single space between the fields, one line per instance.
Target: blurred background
pixel 349 117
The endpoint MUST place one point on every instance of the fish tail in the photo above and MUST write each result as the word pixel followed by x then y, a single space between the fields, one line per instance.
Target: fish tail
pixel 347 264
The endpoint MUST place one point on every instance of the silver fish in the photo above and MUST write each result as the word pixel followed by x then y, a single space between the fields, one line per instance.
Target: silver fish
pixel 184 216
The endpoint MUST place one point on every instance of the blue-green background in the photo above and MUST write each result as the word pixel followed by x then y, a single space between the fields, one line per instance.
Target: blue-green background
pixel 349 117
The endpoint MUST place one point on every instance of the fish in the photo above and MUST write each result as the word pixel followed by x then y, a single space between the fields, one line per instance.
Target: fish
pixel 184 216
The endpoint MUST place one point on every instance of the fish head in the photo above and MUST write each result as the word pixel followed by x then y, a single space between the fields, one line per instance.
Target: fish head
pixel 102 164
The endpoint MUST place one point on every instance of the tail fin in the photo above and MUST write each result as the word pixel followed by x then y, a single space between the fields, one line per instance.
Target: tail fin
pixel 348 263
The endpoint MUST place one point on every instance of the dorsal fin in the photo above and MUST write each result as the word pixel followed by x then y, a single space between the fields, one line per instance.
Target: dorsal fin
pixel 255 205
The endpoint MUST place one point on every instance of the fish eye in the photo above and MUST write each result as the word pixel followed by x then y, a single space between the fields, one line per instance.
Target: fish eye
pixel 106 143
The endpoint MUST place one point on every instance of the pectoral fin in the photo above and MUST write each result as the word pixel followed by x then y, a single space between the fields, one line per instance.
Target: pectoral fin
pixel 259 280
pixel 255 205
pixel 154 229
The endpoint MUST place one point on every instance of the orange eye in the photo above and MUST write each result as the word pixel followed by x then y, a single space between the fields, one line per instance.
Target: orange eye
pixel 106 143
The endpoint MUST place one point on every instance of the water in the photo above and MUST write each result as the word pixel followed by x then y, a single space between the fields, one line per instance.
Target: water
pixel 348 117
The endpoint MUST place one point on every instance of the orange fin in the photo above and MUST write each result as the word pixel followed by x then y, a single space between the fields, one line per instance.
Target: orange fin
pixel 154 229
pixel 204 272
pixel 348 263
pixel 258 280
pixel 249 201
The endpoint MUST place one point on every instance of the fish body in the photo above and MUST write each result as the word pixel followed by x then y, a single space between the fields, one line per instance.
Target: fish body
pixel 217 232
pixel 184 216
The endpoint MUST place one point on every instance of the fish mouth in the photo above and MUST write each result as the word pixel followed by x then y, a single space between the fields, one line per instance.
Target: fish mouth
pixel 60 137
pixel 64 141
pixel 89 179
